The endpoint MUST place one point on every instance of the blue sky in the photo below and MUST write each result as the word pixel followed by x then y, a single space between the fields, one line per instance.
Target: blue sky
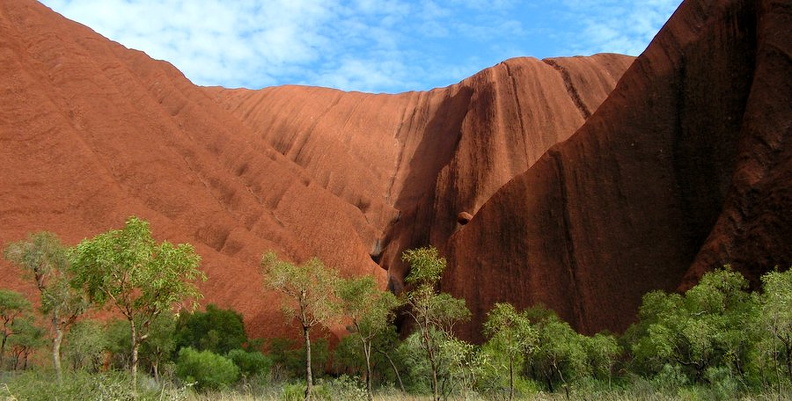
pixel 365 45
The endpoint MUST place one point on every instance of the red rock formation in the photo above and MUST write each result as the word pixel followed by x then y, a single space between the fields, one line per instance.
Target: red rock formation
pixel 415 160
pixel 92 132
pixel 685 164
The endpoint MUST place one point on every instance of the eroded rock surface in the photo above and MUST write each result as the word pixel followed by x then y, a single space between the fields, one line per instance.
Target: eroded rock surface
pixel 92 132
pixel 684 168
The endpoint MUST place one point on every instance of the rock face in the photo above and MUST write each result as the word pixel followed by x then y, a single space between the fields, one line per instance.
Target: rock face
pixel 685 167
pixel 92 132
pixel 536 178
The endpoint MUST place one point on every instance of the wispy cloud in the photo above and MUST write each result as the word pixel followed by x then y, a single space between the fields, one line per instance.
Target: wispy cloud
pixel 617 26
pixel 366 45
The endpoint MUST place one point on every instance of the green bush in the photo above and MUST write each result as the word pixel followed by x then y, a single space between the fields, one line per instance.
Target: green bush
pixel 206 369
pixel 251 363
pixel 217 330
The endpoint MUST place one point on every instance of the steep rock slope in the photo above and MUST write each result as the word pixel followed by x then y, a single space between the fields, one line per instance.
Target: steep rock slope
pixel 92 132
pixel 412 162
pixel 685 164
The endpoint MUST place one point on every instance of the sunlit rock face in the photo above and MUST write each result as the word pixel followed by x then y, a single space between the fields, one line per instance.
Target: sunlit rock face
pixel 534 185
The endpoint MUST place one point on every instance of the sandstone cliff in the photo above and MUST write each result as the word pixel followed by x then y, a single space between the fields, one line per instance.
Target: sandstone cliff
pixel 92 132
pixel 685 167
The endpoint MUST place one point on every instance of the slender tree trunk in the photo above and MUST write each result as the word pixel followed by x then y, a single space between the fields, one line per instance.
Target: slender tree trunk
pixel 367 353
pixel 308 375
pixel 395 370
pixel 134 362
pixel 432 363
pixel 155 366
pixel 511 377
pixel 56 346
pixel 2 350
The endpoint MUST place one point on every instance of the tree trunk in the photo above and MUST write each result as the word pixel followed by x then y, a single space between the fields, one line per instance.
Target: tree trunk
pixel 367 353
pixel 395 370
pixel 308 375
pixel 134 362
pixel 56 345
pixel 2 350
pixel 511 378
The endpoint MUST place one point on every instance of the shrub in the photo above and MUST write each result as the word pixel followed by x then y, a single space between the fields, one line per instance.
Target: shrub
pixel 217 330
pixel 206 369
pixel 250 363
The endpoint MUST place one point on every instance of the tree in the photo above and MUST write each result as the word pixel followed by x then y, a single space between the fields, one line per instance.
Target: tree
pixel 46 261
pixel 434 314
pixel 371 312
pixel 161 342
pixel 310 291
pixel 711 325
pixel 85 345
pixel 13 305
pixel 510 333
pixel 559 354
pixel 128 270
pixel 776 317
pixel 26 339
pixel 602 352
pixel 217 330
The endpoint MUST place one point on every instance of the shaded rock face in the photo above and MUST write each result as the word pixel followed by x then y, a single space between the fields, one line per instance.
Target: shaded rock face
pixel 92 132
pixel 411 162
pixel 683 168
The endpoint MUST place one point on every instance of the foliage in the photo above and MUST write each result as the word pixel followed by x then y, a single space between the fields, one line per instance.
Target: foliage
pixel 371 311
pixel 85 345
pixel 250 363
pixel 434 314
pixel 160 344
pixel 310 291
pixel 137 276
pixel 216 329
pixel 26 340
pixel 13 306
pixel 206 369
pixel 118 343
pixel 775 320
pixel 560 356
pixel 38 385
pixel 47 263
pixel 511 335
pixel 710 325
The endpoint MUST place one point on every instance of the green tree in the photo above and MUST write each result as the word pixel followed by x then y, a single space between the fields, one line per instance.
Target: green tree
pixel 711 325
pixel 85 344
pixel 371 311
pixel 776 318
pixel 559 355
pixel 510 333
pixel 310 291
pixel 602 353
pixel 217 330
pixel 434 313
pixel 138 277
pixel 26 339
pixel 13 306
pixel 161 342
pixel 45 260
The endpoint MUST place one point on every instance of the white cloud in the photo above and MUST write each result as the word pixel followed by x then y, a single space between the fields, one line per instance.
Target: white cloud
pixel 617 26
pixel 368 45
